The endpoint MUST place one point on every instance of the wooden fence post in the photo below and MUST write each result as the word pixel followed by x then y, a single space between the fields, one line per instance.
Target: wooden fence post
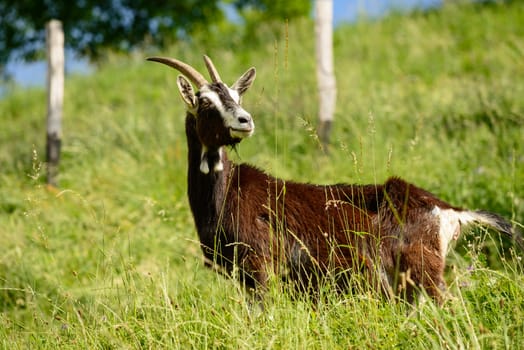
pixel 55 97
pixel 327 87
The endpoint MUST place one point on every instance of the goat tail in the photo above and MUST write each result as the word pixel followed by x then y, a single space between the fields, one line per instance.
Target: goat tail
pixel 494 221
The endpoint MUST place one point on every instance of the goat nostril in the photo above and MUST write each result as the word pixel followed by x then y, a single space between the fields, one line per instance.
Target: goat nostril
pixel 243 120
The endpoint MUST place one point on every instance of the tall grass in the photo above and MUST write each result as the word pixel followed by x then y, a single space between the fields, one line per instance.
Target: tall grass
pixel 111 258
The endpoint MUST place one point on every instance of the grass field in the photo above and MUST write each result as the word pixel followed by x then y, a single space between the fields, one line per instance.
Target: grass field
pixel 110 260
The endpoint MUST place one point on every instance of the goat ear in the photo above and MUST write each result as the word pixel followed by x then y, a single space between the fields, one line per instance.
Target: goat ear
pixel 186 91
pixel 244 82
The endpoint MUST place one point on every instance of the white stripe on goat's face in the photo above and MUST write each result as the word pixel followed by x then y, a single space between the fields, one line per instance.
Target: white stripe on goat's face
pixel 227 102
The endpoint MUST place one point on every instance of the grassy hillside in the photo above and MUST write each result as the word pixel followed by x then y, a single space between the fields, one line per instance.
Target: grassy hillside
pixel 111 258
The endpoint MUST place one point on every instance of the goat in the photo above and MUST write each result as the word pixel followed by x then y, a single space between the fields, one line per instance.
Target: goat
pixel 259 225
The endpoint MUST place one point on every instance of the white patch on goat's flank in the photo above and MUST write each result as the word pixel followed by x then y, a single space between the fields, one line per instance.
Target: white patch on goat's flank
pixel 449 228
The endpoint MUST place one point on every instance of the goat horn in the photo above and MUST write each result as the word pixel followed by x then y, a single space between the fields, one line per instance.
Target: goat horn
pixel 184 68
pixel 215 77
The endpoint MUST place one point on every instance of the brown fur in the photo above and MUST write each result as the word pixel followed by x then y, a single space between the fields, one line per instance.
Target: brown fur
pixel 300 231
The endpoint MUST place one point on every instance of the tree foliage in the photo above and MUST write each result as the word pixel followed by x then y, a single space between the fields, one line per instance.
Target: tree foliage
pixel 260 16
pixel 91 26
pixel 276 9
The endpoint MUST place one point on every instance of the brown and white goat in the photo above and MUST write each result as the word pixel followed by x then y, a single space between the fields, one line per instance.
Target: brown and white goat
pixel 251 222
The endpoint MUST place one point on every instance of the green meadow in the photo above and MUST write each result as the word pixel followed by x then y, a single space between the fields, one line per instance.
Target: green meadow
pixel 110 259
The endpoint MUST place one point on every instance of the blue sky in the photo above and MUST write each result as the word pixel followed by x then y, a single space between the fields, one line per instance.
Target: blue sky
pixel 34 74
pixel 349 10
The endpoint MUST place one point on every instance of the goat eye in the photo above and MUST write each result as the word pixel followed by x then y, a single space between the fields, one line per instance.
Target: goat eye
pixel 204 101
